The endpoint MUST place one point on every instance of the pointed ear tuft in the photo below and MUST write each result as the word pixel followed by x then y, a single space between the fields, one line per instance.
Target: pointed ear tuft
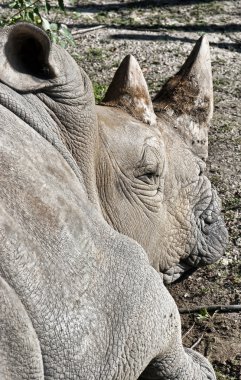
pixel 128 90
pixel 25 57
pixel 188 97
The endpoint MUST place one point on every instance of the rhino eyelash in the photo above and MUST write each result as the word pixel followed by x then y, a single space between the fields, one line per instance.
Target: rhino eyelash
pixel 148 178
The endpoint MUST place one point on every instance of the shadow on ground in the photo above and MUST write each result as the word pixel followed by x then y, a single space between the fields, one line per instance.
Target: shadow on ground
pixel 232 46
pixel 209 28
pixel 135 4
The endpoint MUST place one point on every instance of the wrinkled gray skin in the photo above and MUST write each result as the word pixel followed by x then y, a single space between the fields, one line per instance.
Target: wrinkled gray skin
pixel 78 300
pixel 158 194
pixel 150 178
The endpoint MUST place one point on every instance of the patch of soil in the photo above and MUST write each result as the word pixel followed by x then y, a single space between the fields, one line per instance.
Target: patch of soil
pixel 216 335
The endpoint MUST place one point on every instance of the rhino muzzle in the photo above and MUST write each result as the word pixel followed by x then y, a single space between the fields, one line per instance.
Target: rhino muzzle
pixel 211 238
pixel 212 235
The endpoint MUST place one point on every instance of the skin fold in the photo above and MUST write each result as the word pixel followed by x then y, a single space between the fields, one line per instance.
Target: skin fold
pixel 79 299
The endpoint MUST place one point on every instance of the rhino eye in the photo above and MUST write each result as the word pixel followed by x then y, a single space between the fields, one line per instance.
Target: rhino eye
pixel 150 168
pixel 149 178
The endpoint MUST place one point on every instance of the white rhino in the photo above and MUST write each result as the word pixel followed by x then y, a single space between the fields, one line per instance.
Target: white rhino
pixel 150 175
pixel 78 300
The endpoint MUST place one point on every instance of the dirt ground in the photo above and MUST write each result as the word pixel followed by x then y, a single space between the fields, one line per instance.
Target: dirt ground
pixel 160 34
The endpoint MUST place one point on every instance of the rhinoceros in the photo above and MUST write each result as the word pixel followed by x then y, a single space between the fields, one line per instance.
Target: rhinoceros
pixel 150 177
pixel 79 299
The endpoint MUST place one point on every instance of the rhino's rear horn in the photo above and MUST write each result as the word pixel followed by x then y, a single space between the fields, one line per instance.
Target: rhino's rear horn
pixel 25 62
pixel 188 98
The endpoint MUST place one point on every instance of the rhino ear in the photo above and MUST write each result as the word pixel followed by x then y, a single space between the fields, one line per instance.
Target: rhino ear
pixel 128 90
pixel 25 62
pixel 188 97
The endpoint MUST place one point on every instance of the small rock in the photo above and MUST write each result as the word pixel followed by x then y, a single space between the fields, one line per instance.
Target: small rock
pixel 213 168
pixel 238 242
pixel 225 261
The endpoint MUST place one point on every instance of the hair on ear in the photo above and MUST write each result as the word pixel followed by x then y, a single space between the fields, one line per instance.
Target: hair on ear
pixel 26 60
pixel 27 51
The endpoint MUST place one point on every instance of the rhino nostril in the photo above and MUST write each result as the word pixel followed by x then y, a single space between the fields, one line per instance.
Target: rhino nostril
pixel 208 219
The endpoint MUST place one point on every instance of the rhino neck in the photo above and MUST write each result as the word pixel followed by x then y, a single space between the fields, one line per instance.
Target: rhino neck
pixel 70 103
pixel 63 112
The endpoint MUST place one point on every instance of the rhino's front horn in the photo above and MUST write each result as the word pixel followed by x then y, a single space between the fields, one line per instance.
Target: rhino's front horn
pixel 188 98
pixel 128 90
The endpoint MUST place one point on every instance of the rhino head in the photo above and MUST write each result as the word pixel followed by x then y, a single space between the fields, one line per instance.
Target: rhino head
pixel 150 173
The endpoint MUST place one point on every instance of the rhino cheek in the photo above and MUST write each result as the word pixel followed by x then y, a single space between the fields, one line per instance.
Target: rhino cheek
pixel 175 232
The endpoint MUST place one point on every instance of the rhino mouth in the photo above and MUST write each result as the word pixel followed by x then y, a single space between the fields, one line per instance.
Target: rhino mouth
pixel 210 240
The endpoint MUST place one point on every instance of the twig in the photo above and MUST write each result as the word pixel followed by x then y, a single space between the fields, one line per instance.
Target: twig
pixel 212 308
pixel 188 331
pixel 198 341
pixel 23 9
pixel 234 114
pixel 82 31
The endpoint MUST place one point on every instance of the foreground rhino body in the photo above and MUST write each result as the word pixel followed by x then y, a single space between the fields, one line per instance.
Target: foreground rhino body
pixel 78 300
pixel 158 193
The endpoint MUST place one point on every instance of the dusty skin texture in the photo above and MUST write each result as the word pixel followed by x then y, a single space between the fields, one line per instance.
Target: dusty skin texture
pixel 78 299
pixel 160 35
pixel 161 46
